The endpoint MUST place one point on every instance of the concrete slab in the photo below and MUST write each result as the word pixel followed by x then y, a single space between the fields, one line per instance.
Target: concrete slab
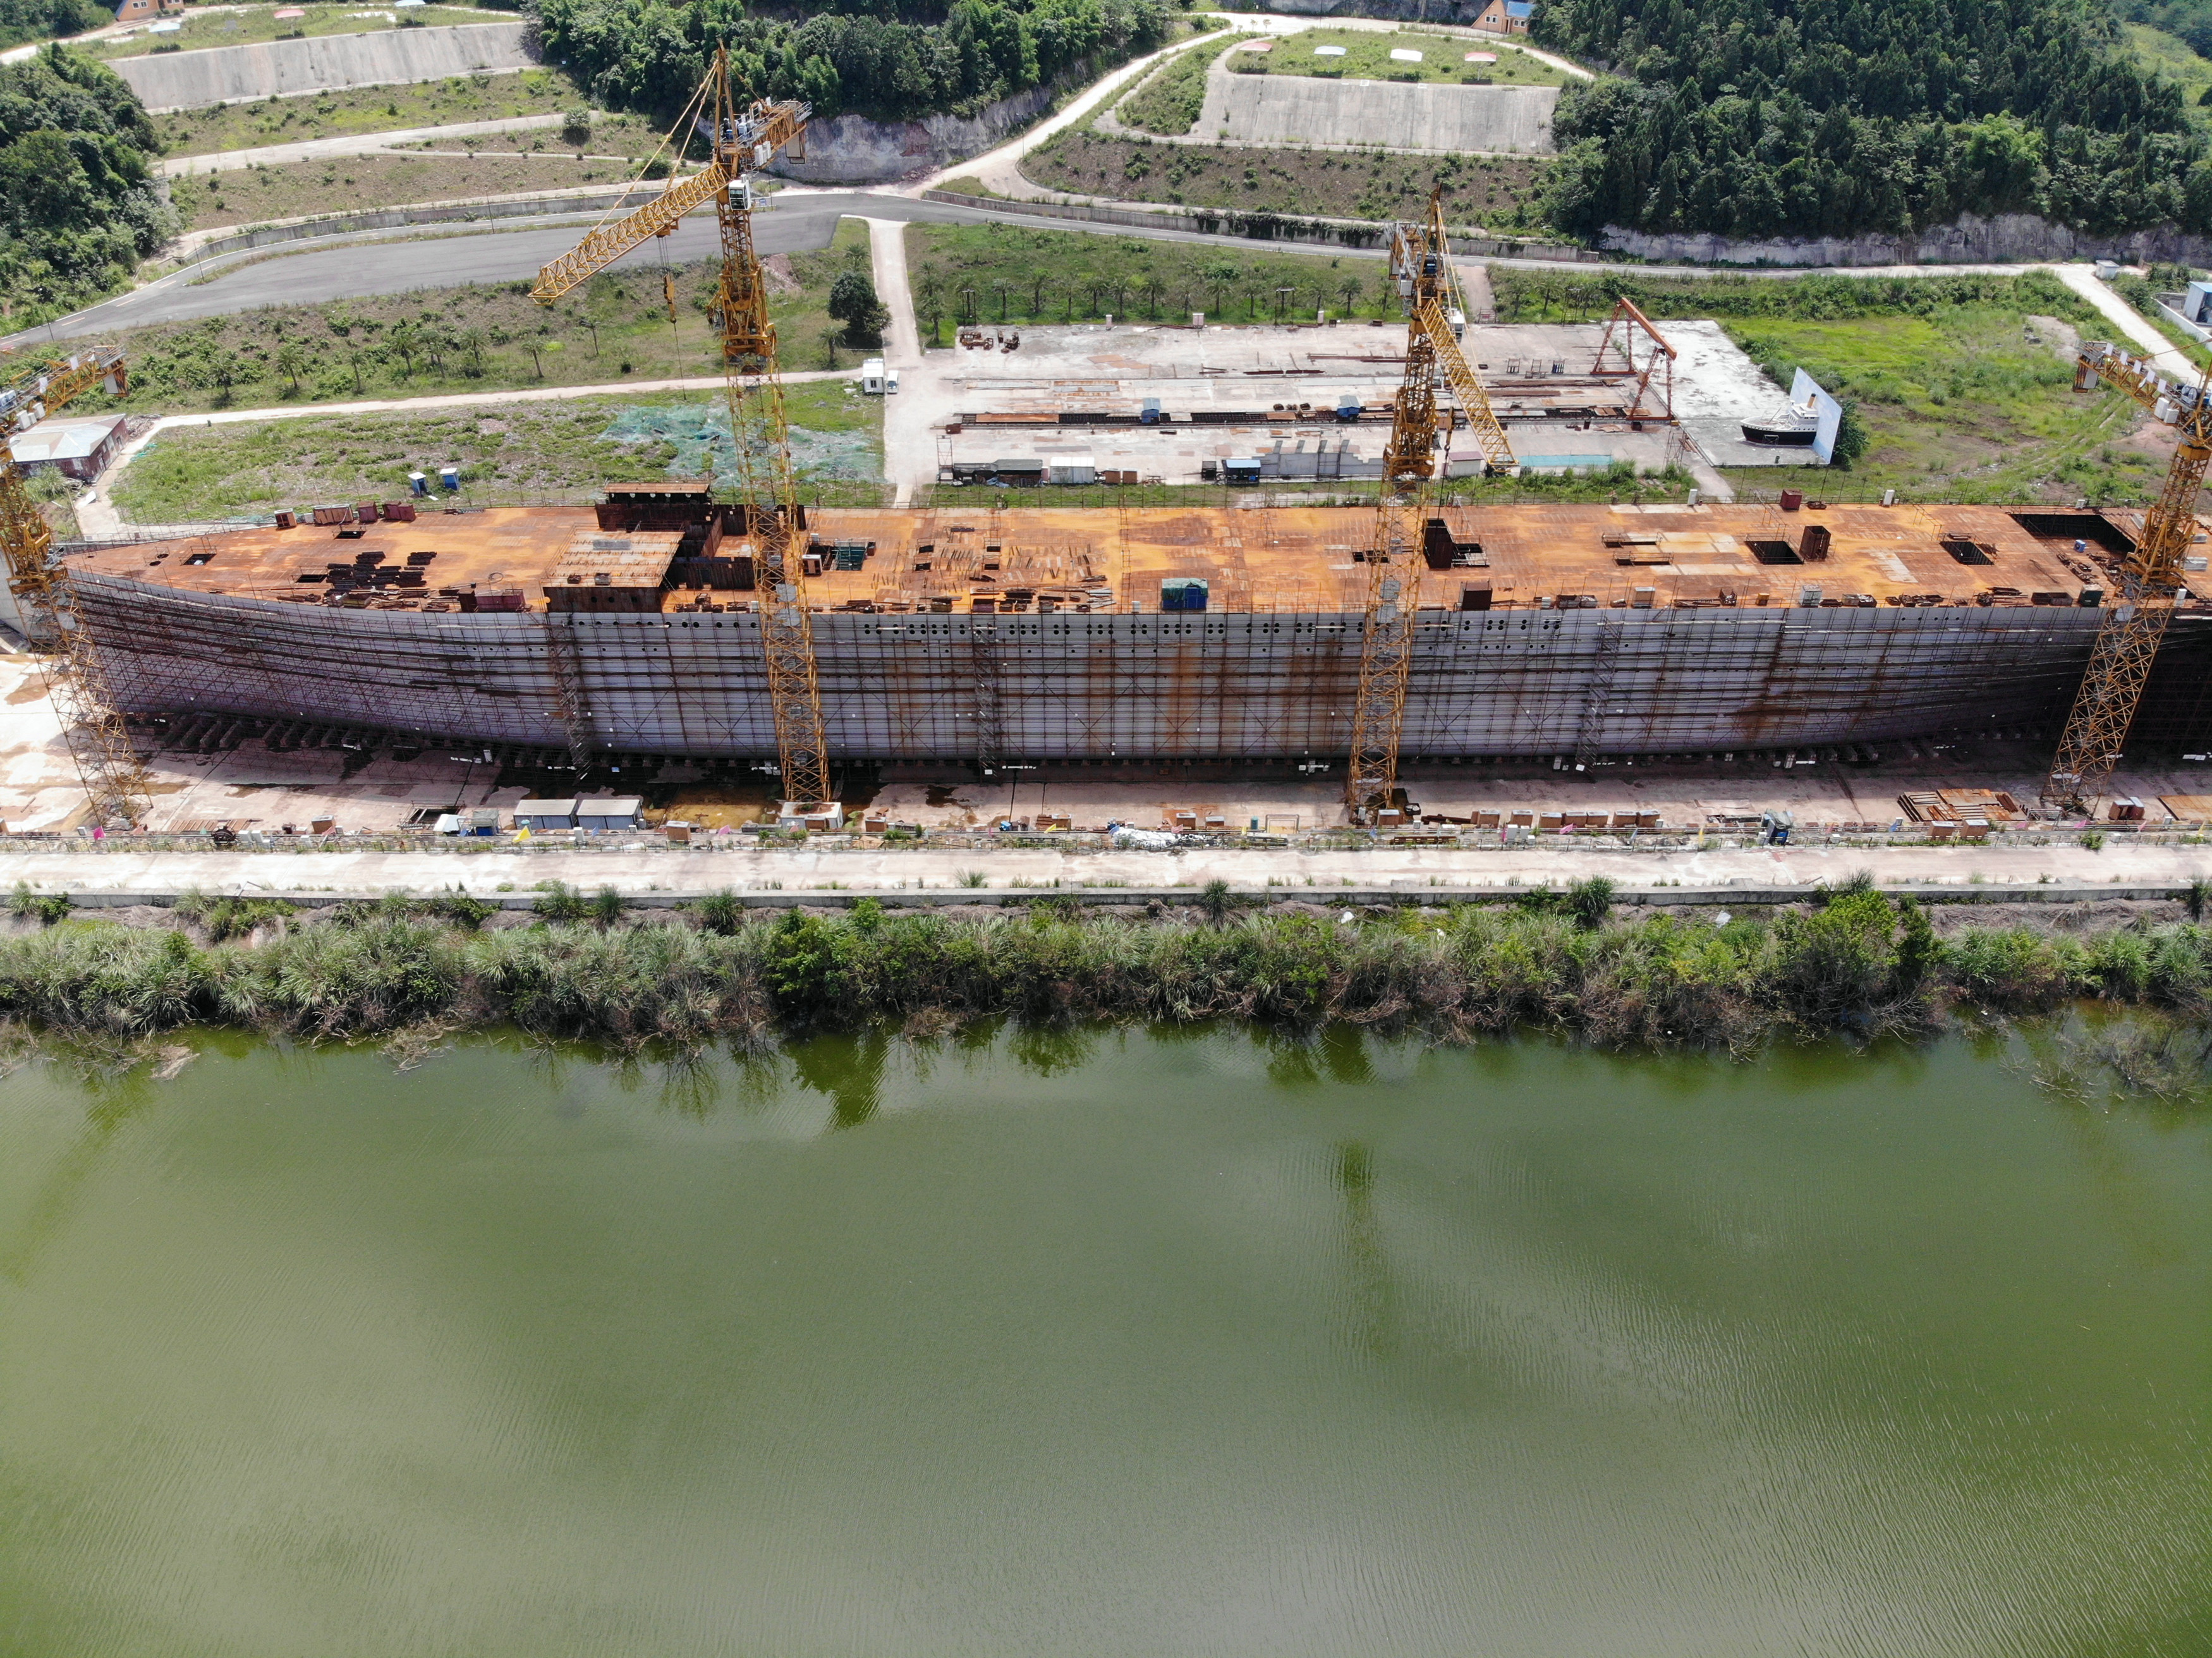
pixel 278 68
pixel 1266 110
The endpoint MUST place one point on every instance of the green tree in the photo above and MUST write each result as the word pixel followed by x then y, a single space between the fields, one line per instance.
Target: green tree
pixel 853 302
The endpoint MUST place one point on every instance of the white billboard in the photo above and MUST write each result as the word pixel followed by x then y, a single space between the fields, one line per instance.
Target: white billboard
pixel 1806 397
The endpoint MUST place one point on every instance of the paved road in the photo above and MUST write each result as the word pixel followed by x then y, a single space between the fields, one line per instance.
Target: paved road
pixel 344 267
pixel 1433 874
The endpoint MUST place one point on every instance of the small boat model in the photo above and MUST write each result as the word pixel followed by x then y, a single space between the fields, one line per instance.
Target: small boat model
pixel 1797 429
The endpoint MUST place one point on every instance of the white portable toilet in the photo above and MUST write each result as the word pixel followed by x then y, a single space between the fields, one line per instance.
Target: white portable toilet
pixel 872 377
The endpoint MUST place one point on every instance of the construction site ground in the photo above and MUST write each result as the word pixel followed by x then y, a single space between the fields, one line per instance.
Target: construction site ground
pixel 1270 369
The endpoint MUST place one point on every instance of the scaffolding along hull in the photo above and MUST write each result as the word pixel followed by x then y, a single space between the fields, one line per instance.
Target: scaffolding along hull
pixel 1236 686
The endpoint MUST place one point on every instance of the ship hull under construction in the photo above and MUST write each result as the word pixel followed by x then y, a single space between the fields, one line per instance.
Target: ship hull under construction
pixel 1584 650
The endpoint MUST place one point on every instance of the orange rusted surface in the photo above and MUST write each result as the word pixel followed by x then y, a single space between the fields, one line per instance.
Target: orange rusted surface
pixel 1292 559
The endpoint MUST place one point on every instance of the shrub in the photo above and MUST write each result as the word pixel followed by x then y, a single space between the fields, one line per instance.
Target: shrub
pixel 559 901
pixel 1588 902
pixel 722 913
pixel 45 907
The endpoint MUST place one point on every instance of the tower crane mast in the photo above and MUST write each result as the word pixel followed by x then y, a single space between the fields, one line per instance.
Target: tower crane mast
pixel 2149 578
pixel 113 776
pixel 742 138
pixel 1420 263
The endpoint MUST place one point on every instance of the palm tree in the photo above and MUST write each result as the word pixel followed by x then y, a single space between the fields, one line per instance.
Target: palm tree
pixel 930 301
pixel 1349 290
pixel 471 340
pixel 403 339
pixel 1219 275
pixel 291 363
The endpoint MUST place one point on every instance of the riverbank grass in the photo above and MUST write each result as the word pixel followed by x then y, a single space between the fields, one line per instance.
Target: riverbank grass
pixel 1855 961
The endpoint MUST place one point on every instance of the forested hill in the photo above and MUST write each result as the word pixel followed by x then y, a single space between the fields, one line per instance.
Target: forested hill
pixel 78 210
pixel 914 60
pixel 1764 118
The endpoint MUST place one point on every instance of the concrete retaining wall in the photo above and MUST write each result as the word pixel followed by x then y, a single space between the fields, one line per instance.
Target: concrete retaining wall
pixel 852 150
pixel 280 69
pixel 2008 237
pixel 1259 226
pixel 1298 109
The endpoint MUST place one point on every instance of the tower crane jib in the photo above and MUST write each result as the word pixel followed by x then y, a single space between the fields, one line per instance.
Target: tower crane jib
pixel 741 138
pixel 1420 263
pixel 2149 579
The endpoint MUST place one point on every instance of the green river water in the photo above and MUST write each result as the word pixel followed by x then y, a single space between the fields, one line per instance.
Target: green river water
pixel 1127 1344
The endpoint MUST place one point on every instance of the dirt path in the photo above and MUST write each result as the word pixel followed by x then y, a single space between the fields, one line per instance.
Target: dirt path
pixel 1000 170
pixel 909 444
pixel 355 143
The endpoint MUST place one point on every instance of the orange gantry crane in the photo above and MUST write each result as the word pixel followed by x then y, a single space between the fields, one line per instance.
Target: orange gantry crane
pixel 1420 263
pixel 742 138
pixel 113 776
pixel 2149 579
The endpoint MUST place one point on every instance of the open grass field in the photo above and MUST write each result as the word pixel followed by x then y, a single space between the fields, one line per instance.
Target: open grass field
pixel 386 109
pixel 253 195
pixel 251 25
pixel 490 338
pixel 1500 191
pixel 507 453
pixel 1365 55
pixel 1964 406
pixel 1962 385
pixel 981 271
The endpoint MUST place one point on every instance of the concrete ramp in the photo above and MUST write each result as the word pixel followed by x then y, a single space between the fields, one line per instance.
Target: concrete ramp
pixel 279 68
pixel 1296 109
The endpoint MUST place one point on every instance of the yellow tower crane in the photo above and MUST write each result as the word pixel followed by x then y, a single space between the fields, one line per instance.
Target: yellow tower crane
pixel 2135 615
pixel 114 777
pixel 1420 263
pixel 741 139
